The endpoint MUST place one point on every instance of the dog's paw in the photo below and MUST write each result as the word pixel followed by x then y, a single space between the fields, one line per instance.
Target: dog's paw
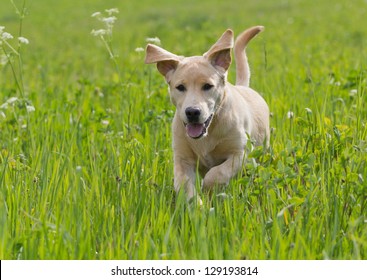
pixel 209 185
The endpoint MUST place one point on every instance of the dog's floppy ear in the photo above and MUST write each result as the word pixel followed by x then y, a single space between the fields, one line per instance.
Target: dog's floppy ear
pixel 165 60
pixel 219 54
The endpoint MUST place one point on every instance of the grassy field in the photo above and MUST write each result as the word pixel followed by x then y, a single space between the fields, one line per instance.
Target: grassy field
pixel 86 166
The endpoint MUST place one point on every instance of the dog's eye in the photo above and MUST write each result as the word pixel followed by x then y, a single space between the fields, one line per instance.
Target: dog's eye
pixel 207 87
pixel 181 88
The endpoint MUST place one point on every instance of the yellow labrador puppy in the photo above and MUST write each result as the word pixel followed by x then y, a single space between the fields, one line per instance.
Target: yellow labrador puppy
pixel 214 119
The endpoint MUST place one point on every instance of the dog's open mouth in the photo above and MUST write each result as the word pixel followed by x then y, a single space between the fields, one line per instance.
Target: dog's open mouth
pixel 197 130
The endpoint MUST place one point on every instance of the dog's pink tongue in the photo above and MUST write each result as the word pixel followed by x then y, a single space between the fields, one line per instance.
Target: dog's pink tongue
pixel 194 130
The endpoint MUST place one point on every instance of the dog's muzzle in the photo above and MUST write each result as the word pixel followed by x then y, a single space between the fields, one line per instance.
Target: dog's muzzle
pixel 194 128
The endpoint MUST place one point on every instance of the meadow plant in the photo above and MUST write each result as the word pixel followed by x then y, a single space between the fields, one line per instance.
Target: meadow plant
pixel 106 33
pixel 11 55
pixel 10 51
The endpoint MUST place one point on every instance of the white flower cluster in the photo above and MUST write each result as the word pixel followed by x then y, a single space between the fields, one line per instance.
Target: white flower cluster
pixel 153 40
pixel 3 59
pixel 108 22
pixel 10 104
pixel 23 40
pixel 290 115
pixel 5 36
pixel 4 44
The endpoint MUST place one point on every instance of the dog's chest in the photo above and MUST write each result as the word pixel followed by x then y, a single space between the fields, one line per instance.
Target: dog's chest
pixel 208 152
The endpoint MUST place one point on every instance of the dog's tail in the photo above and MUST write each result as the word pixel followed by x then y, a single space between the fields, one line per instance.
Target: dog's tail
pixel 242 67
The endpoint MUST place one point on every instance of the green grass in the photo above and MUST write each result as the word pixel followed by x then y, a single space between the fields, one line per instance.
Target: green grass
pixel 88 174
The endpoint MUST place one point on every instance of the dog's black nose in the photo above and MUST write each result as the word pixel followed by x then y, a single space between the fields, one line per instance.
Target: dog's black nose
pixel 192 114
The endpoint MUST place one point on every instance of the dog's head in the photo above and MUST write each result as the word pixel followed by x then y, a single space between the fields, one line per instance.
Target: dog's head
pixel 196 83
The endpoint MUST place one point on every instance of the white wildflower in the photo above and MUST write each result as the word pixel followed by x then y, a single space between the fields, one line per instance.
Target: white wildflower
pixel 96 14
pixel 30 108
pixel 78 168
pixel 139 49
pixel 109 20
pixel 290 115
pixel 308 110
pixel 105 122
pixel 3 59
pixel 6 36
pixel 2 114
pixel 11 100
pixel 353 92
pixel 112 11
pixel 23 40
pixel 4 106
pixel 154 40
pixel 99 32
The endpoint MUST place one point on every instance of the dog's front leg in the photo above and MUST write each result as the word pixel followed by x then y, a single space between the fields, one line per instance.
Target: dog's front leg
pixel 184 176
pixel 220 175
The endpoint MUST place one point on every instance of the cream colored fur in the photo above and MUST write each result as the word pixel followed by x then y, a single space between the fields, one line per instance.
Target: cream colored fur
pixel 213 118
